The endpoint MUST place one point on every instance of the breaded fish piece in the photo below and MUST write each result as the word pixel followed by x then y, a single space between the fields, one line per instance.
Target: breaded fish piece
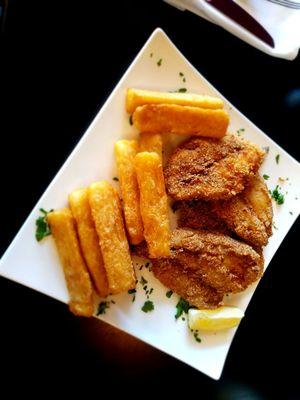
pixel 249 214
pixel 221 262
pixel 211 169
pixel 198 214
pixel 182 120
pixel 173 274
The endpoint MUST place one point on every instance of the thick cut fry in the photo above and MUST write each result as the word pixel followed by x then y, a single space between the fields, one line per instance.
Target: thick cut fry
pixel 182 120
pixel 79 285
pixel 154 203
pixel 107 214
pixel 89 241
pixel 151 142
pixel 125 151
pixel 138 97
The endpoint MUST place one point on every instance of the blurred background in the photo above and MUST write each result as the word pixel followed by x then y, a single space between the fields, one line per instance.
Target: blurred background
pixel 59 63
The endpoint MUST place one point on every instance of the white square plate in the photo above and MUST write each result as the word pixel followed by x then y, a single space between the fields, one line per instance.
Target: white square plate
pixel 36 265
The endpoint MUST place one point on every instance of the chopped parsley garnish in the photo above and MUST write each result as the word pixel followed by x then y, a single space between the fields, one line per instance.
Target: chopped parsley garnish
pixel 277 196
pixel 145 288
pixel 151 55
pixel 184 80
pixel 148 306
pixel 133 299
pixel 290 212
pixel 182 90
pixel 130 120
pixel 277 158
pixel 115 179
pixel 141 267
pixel 182 306
pixel 147 265
pixel 102 307
pixel 42 226
pixel 131 291
pixel 151 290
pixel 266 177
pixel 181 74
pixel 143 281
pixel 239 131
pixel 169 293
pixel 159 62
pixel 196 336
pixel 113 301
pixel 274 226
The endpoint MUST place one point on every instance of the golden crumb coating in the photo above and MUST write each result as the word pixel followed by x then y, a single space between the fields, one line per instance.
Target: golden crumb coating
pixel 154 203
pixel 249 214
pixel 220 261
pixel 107 215
pixel 211 169
pixel 78 281
pixel 174 275
pixel 139 97
pixel 88 238
pixel 125 151
pixel 182 120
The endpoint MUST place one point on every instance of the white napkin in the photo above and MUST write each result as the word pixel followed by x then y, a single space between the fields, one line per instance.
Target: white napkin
pixel 281 21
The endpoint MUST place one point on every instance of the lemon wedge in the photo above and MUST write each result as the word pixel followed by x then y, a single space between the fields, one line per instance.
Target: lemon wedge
pixel 215 320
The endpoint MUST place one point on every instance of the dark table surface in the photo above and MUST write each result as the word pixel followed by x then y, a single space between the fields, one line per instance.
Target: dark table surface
pixel 60 61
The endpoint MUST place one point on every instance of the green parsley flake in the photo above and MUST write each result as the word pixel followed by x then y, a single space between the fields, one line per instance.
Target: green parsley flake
pixel 130 120
pixel 169 293
pixel 159 62
pixel 151 290
pixel 42 226
pixel 239 131
pixel 102 307
pixel 148 306
pixel 182 90
pixel 277 196
pixel 182 306
pixel 277 158
pixel 183 80
pixel 151 55
pixel 181 74
pixel 196 336
pixel 133 299
pixel 143 281
pixel 266 177
pixel 115 179
pixel 290 212
pixel 131 291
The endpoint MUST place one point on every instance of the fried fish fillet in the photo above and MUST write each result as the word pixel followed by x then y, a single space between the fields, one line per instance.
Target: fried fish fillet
pixel 221 262
pixel 211 169
pixel 173 274
pixel 198 214
pixel 203 266
pixel 248 215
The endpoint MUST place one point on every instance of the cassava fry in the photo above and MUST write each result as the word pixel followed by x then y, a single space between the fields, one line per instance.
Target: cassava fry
pixel 79 204
pixel 182 120
pixel 151 142
pixel 154 203
pixel 138 97
pixel 79 285
pixel 107 214
pixel 125 151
